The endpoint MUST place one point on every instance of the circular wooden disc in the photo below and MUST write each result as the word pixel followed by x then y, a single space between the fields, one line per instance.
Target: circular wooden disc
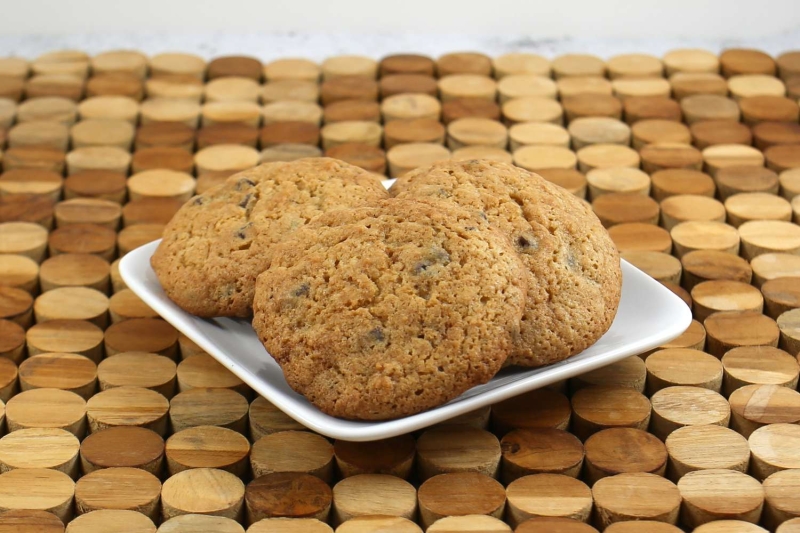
pixel 789 325
pixel 12 340
pixel 102 132
pixel 704 235
pixel 37 489
pixel 179 88
pixel 519 85
pixel 138 369
pixel 549 524
pixel 19 271
pixel 112 521
pixel 226 133
pixel 769 236
pixel 681 181
pixel 781 295
pixel 288 152
pixel 591 105
pixel 701 107
pixel 23 238
pixel 620 208
pixel 520 63
pixel 111 158
pixel 716 494
pixel 720 156
pixel 104 213
pixel 781 503
pixel 758 365
pixel 120 488
pixel 657 499
pixel 756 206
pixel 351 131
pixel 725 295
pixel 469 107
pixel 532 109
pixel 208 407
pixel 127 406
pixel 111 108
pixel 650 108
pixel 782 157
pixel 443 450
pixel 203 371
pixel 394 84
pixel 768 134
pixel 141 335
pixel 659 266
pixel 392 456
pixel 538 451
pixel 161 183
pixel 119 84
pixel 575 85
pixel 73 336
pixel 349 65
pixel 568 178
pixel 705 447
pixel 370 158
pixel 528 133
pixel 348 88
pixel 98 184
pixel 373 494
pixel 30 521
pixel 713 132
pixel 31 181
pixel 578 65
pixel 617 180
pixel 47 408
pixel 729 329
pixel 659 131
pixel 111 448
pixel 458 494
pixel 553 495
pixel 619 450
pixel 291 495
pixel 634 66
pixel 637 236
pixel 771 266
pixel 207 447
pixel 463 63
pixel 39 133
pixel 50 448
pixel 742 179
pixel 200 523
pixel 405 157
pixel 598 130
pixel 66 371
pixel 693 338
pixel 541 408
pixel 170 110
pixel 164 134
pixel 125 304
pixel 536 157
pixel 606 156
pixel 150 211
pixel 641 87
pixel 746 61
pixel 474 132
pixel 757 109
pixel 15 305
pixel 72 303
pixel 754 406
pixel 661 156
pixel 415 130
pixel 407 64
pixel 683 366
pixel 280 452
pixel 282 132
pixel 291 69
pixel 162 158
pixel 284 110
pixel 599 407
pixel 679 406
pixel 177 63
pixel 629 372
pixel 265 418
pixel 690 60
pixel 54 108
pixel 232 88
pixel 231 112
pixel 34 158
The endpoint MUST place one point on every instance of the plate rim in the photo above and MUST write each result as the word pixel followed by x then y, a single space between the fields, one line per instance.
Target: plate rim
pixel 375 430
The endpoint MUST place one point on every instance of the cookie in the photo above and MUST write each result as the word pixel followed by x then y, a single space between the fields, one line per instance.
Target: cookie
pixel 219 241
pixel 386 311
pixel 573 268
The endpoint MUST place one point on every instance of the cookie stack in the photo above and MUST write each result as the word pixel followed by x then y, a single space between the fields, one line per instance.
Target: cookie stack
pixel 379 305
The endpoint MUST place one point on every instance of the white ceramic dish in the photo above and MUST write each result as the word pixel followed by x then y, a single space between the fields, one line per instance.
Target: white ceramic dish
pixel 649 315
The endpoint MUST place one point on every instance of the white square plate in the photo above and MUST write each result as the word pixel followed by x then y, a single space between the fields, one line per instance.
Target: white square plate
pixel 649 315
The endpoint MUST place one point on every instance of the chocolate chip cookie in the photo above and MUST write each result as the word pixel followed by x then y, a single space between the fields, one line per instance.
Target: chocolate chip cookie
pixel 573 269
pixel 385 311
pixel 219 241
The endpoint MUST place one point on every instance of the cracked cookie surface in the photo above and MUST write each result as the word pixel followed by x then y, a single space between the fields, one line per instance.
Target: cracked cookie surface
pixel 386 311
pixel 219 241
pixel 573 268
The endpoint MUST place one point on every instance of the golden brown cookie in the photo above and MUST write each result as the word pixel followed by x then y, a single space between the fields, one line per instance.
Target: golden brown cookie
pixel 219 241
pixel 385 311
pixel 574 277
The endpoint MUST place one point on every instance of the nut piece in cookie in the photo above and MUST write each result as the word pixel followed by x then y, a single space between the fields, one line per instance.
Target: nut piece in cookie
pixel 218 242
pixel 385 311
pixel 573 268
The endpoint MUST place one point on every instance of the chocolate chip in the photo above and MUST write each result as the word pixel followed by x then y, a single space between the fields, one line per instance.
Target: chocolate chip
pixel 241 233
pixel 198 200
pixel 244 183
pixel 245 201
pixel 377 335
pixel 437 256
pixel 527 243
pixel 302 290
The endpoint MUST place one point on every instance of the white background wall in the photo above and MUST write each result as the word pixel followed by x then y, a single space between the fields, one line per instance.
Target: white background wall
pixel 709 19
